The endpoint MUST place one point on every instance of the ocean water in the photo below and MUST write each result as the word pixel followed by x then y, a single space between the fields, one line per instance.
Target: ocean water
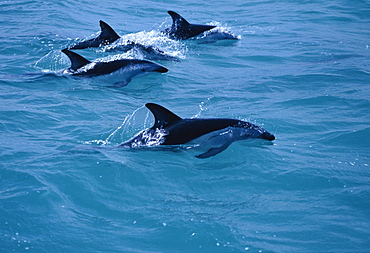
pixel 301 70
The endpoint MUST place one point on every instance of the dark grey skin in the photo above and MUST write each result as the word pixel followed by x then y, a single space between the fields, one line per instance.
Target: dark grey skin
pixel 129 67
pixel 106 36
pixel 170 129
pixel 182 29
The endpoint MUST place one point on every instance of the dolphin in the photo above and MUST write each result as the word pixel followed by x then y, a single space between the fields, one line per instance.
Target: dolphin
pixel 128 67
pixel 170 129
pixel 182 29
pixel 106 36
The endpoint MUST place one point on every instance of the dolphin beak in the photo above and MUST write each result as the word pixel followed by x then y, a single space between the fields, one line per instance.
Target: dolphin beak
pixel 268 136
pixel 161 70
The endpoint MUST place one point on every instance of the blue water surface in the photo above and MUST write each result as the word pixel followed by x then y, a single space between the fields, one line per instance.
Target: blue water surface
pixel 300 70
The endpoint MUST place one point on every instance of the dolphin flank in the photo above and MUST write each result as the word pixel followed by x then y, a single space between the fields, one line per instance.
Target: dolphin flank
pixel 170 129
pixel 127 67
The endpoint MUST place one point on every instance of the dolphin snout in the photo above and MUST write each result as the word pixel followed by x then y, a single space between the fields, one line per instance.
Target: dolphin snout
pixel 268 136
pixel 161 70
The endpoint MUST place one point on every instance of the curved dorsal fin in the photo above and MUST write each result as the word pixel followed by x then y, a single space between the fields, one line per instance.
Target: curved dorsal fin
pixel 162 116
pixel 177 19
pixel 77 61
pixel 107 32
pixel 107 35
pixel 182 29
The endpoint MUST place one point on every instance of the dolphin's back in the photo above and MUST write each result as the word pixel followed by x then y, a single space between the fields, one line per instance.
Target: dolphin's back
pixel 103 68
pixel 106 36
pixel 186 130
pixel 181 29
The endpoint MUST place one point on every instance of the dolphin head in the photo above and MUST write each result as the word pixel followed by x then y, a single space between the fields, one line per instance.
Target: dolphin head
pixel 161 69
pixel 248 130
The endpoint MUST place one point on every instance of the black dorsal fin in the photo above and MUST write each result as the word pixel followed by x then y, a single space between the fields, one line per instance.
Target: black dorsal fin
pixel 107 35
pixel 107 32
pixel 178 19
pixel 77 61
pixel 182 29
pixel 162 116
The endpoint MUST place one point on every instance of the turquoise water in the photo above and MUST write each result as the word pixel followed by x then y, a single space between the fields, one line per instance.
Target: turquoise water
pixel 301 70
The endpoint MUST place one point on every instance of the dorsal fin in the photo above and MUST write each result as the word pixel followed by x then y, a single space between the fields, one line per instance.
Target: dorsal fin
pixel 162 116
pixel 182 29
pixel 107 32
pixel 178 19
pixel 107 35
pixel 77 61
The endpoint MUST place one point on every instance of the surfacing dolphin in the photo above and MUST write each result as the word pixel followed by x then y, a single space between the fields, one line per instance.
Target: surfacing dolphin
pixel 128 68
pixel 170 129
pixel 182 29
pixel 106 36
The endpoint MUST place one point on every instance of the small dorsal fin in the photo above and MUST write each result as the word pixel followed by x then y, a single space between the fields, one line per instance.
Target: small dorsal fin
pixel 178 19
pixel 107 35
pixel 77 61
pixel 107 32
pixel 162 116
pixel 182 29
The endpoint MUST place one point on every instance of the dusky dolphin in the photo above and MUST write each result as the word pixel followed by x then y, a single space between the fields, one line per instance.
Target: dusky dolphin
pixel 106 36
pixel 128 68
pixel 170 129
pixel 182 29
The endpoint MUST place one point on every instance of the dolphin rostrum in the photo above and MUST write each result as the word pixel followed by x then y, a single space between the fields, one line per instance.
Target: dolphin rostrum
pixel 127 67
pixel 170 129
